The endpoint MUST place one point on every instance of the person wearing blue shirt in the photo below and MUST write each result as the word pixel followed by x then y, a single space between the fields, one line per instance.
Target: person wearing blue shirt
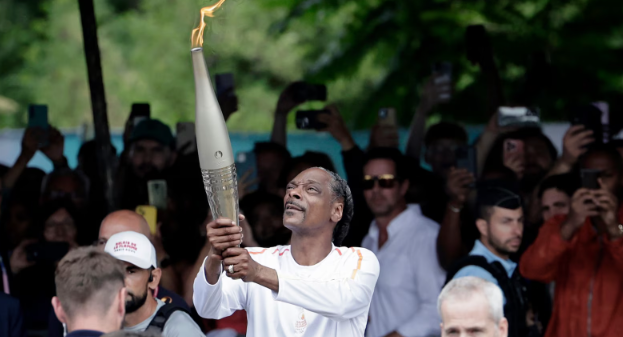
pixel 500 223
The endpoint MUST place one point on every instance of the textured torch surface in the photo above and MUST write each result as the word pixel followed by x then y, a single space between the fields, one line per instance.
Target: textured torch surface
pixel 222 190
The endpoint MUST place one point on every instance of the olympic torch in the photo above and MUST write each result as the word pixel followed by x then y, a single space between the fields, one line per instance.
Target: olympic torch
pixel 216 157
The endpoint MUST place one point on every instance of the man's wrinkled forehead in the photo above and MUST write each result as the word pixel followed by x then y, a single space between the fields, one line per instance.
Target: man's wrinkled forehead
pixel 312 175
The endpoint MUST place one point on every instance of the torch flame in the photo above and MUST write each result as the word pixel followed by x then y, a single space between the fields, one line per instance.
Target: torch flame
pixel 197 35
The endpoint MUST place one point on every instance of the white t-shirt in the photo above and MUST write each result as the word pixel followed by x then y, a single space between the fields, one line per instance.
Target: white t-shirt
pixel 331 298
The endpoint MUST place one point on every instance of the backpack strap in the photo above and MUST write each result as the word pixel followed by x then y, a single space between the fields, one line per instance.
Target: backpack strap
pixel 511 287
pixel 162 316
pixel 470 260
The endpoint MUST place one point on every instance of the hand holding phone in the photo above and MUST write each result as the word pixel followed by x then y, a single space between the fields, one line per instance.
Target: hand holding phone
pixel 47 252
pixel 466 159
pixel 308 119
pixel 38 122
pixel 293 95
pixel 458 185
pixel 590 178
pixel 304 91
pixel 442 79
pixel 139 113
pixel 575 143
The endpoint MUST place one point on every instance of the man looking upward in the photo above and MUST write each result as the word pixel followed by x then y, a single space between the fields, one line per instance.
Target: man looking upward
pixel 311 287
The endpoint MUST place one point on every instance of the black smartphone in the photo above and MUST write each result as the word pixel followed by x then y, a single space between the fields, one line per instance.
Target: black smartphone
pixel 304 91
pixel 47 251
pixel 224 83
pixel 476 42
pixel 592 118
pixel 140 112
pixel 307 119
pixel 590 178
pixel 38 118
pixel 466 159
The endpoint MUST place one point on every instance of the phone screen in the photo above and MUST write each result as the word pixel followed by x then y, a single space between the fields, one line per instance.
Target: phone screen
pixel 466 159
pixel 157 193
pixel 38 118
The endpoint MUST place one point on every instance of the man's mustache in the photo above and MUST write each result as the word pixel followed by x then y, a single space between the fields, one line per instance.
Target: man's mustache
pixel 289 202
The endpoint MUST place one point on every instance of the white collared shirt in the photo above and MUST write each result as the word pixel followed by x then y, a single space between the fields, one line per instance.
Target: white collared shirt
pixel 405 297
pixel 328 299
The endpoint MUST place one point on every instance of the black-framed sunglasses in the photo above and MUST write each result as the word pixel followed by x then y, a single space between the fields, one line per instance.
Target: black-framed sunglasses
pixel 385 181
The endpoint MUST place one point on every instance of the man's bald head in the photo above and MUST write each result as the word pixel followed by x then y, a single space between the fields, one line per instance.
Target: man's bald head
pixel 122 221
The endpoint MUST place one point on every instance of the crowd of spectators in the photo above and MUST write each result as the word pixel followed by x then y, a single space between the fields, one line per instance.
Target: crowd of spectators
pixel 527 220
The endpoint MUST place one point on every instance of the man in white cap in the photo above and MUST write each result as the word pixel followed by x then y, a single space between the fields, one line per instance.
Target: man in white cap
pixel 144 312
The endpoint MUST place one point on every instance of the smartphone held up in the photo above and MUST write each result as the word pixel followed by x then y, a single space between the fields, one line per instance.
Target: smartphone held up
pixel 304 92
pixel 442 78
pixel 38 120
pixel 139 113
pixel 590 178
pixel 308 119
pixel 518 116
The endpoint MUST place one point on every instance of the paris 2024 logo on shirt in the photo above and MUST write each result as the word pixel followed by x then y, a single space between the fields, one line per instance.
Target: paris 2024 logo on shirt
pixel 301 324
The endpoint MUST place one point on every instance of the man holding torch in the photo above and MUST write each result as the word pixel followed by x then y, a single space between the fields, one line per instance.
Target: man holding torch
pixel 311 287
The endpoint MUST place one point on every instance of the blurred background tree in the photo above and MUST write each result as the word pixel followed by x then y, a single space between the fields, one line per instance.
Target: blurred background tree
pixel 370 53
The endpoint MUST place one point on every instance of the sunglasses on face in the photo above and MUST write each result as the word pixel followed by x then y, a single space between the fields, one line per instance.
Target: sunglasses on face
pixel 385 181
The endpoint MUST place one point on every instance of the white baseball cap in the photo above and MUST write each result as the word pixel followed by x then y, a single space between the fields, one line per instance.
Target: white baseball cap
pixel 132 247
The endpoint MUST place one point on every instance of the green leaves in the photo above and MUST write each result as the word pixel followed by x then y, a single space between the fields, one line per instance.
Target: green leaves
pixel 582 39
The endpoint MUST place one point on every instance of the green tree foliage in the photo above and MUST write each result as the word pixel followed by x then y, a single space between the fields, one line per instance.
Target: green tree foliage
pixel 583 40
pixel 145 47
pixel 370 53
